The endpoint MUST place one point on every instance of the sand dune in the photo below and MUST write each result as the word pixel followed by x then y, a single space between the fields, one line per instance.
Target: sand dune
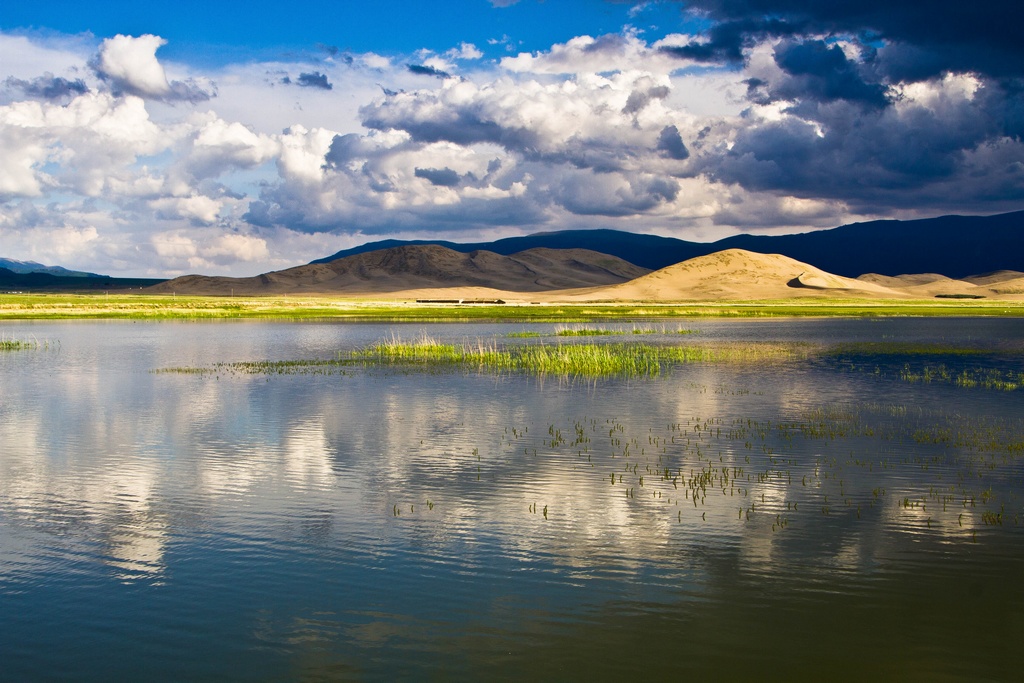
pixel 738 274
pixel 898 281
pixel 1008 287
pixel 930 285
pixel 1000 277
pixel 422 269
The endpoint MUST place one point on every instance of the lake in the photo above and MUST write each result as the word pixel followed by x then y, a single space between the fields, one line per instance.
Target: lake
pixel 171 511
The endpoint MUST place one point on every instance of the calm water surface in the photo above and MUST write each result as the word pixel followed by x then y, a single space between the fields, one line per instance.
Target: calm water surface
pixel 817 520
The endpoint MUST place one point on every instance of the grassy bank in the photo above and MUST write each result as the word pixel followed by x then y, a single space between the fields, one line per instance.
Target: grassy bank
pixel 162 307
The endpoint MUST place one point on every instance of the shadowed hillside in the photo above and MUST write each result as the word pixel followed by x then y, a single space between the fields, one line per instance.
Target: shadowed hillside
pixel 46 282
pixel 414 267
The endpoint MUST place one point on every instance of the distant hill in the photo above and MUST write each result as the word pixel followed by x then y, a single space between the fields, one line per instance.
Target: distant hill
pixel 646 251
pixel 955 246
pixel 35 282
pixel 16 266
pixel 424 267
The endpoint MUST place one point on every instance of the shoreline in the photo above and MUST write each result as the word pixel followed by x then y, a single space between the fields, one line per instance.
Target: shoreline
pixel 516 309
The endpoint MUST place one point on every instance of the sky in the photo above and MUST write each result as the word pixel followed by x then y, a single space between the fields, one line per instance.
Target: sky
pixel 230 138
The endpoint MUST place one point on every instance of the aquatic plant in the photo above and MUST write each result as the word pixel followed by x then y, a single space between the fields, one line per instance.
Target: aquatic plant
pixel 16 345
pixel 578 360
pixel 12 344
pixel 584 332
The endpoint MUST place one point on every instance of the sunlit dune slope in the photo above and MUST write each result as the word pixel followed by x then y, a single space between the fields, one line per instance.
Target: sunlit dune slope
pixel 1002 284
pixel 738 274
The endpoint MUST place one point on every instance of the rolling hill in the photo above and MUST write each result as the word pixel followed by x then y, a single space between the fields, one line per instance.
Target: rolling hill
pixel 956 246
pixel 425 267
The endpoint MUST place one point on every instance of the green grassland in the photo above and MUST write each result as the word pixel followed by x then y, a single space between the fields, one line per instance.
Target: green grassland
pixel 160 307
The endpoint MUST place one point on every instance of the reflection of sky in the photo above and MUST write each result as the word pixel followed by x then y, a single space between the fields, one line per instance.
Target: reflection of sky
pixel 331 498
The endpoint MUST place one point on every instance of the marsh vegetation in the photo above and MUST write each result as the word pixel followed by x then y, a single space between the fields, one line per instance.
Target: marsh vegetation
pixel 23 344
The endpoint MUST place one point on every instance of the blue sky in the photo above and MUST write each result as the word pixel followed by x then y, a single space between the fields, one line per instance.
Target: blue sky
pixel 217 33
pixel 236 138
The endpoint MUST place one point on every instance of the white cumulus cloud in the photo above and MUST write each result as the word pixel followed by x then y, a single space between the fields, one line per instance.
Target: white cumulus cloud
pixel 131 63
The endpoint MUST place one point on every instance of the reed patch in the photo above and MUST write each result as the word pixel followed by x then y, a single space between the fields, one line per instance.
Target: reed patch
pixel 571 360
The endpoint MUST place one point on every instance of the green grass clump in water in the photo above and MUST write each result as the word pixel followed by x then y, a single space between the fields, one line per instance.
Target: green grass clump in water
pixel 575 360
pixel 21 344
pixel 578 360
pixel 584 332
pixel 968 377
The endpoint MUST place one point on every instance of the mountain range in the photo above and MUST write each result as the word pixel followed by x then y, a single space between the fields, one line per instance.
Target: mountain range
pixel 23 267
pixel 955 246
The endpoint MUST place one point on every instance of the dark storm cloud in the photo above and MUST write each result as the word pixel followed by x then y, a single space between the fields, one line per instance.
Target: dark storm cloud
pixel 757 91
pixel 439 177
pixel 314 80
pixel 850 130
pixel 725 40
pixel 48 87
pixel 671 144
pixel 983 37
pixel 424 70
pixel 879 157
pixel 822 72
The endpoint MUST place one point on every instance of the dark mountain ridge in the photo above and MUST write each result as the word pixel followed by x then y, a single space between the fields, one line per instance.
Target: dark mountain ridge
pixel 35 282
pixel 955 246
